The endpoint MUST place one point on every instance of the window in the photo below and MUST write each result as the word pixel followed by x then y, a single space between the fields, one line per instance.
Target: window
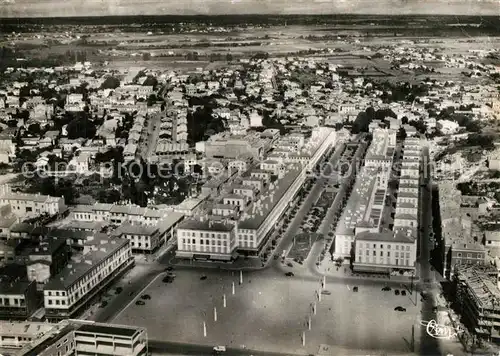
pixel 469 255
pixel 374 253
pixel 50 301
pixel 459 254
pixel 381 246
pixel 381 253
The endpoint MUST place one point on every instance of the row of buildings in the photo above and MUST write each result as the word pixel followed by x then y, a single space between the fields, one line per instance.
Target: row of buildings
pixel 246 206
pixel 364 232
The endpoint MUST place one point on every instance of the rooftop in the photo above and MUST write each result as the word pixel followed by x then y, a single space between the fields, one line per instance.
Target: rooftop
pixel 258 210
pixel 205 225
pixel 82 264
pixel 357 208
pixel 482 284
pixel 388 236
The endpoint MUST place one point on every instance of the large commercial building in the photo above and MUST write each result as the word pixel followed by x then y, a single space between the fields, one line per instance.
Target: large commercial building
pixel 73 338
pixel 103 259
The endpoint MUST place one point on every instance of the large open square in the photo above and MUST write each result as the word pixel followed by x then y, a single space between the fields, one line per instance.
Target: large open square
pixel 270 313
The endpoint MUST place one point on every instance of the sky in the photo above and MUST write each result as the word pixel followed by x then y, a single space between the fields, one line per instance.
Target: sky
pixel 57 8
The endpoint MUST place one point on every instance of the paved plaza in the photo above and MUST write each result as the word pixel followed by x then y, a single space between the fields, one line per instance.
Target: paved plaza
pixel 270 313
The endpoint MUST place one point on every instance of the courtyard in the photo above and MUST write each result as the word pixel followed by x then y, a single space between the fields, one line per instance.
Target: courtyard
pixel 269 312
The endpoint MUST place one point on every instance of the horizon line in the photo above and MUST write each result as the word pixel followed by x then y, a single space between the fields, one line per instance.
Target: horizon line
pixel 243 15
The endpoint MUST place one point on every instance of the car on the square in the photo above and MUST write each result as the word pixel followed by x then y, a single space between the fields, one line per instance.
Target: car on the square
pixel 219 348
pixel 167 279
pixel 403 292
pixel 355 289
pixel 386 289
pixel 396 291
pixel 140 302
pixel 202 278
pixel 326 292
pixel 400 309
pixel 289 274
pixel 146 297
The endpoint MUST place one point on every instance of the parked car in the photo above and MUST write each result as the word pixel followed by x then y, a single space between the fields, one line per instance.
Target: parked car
pixel 400 309
pixel 386 289
pixel 169 268
pixel 140 302
pixel 355 289
pixel 203 277
pixel 396 291
pixel 118 290
pixel 289 274
pixel 289 264
pixel 219 348
pixel 145 296
pixel 403 292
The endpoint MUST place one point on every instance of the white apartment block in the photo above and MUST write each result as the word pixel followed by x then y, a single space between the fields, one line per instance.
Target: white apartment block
pixel 407 203
pixel 385 252
pixel 204 239
pixel 103 260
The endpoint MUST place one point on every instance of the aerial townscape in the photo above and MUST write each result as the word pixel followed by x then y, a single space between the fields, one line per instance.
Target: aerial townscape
pixel 249 185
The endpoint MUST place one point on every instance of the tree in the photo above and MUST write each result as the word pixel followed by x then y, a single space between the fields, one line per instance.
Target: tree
pixel 34 129
pixel 146 56
pixel 81 128
pixel 150 81
pixel 229 57
pixel 404 120
pixel 110 83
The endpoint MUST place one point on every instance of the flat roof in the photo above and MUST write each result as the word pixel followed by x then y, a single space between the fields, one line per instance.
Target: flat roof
pixel 82 264
pixel 107 330
pixel 357 206
pixel 205 225
pixel 258 211
pixel 399 237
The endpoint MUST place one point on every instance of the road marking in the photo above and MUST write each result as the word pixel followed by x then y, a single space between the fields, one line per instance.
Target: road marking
pixel 134 298
pixel 348 287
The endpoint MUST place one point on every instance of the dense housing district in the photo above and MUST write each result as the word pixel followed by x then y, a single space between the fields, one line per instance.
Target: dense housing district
pixel 285 202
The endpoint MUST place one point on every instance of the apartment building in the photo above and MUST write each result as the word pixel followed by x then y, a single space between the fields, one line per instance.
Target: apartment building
pixel 117 214
pixel 33 204
pixel 18 299
pixel 143 238
pixel 103 260
pixel 79 337
pixel 206 239
pixel 385 252
pixel 407 204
